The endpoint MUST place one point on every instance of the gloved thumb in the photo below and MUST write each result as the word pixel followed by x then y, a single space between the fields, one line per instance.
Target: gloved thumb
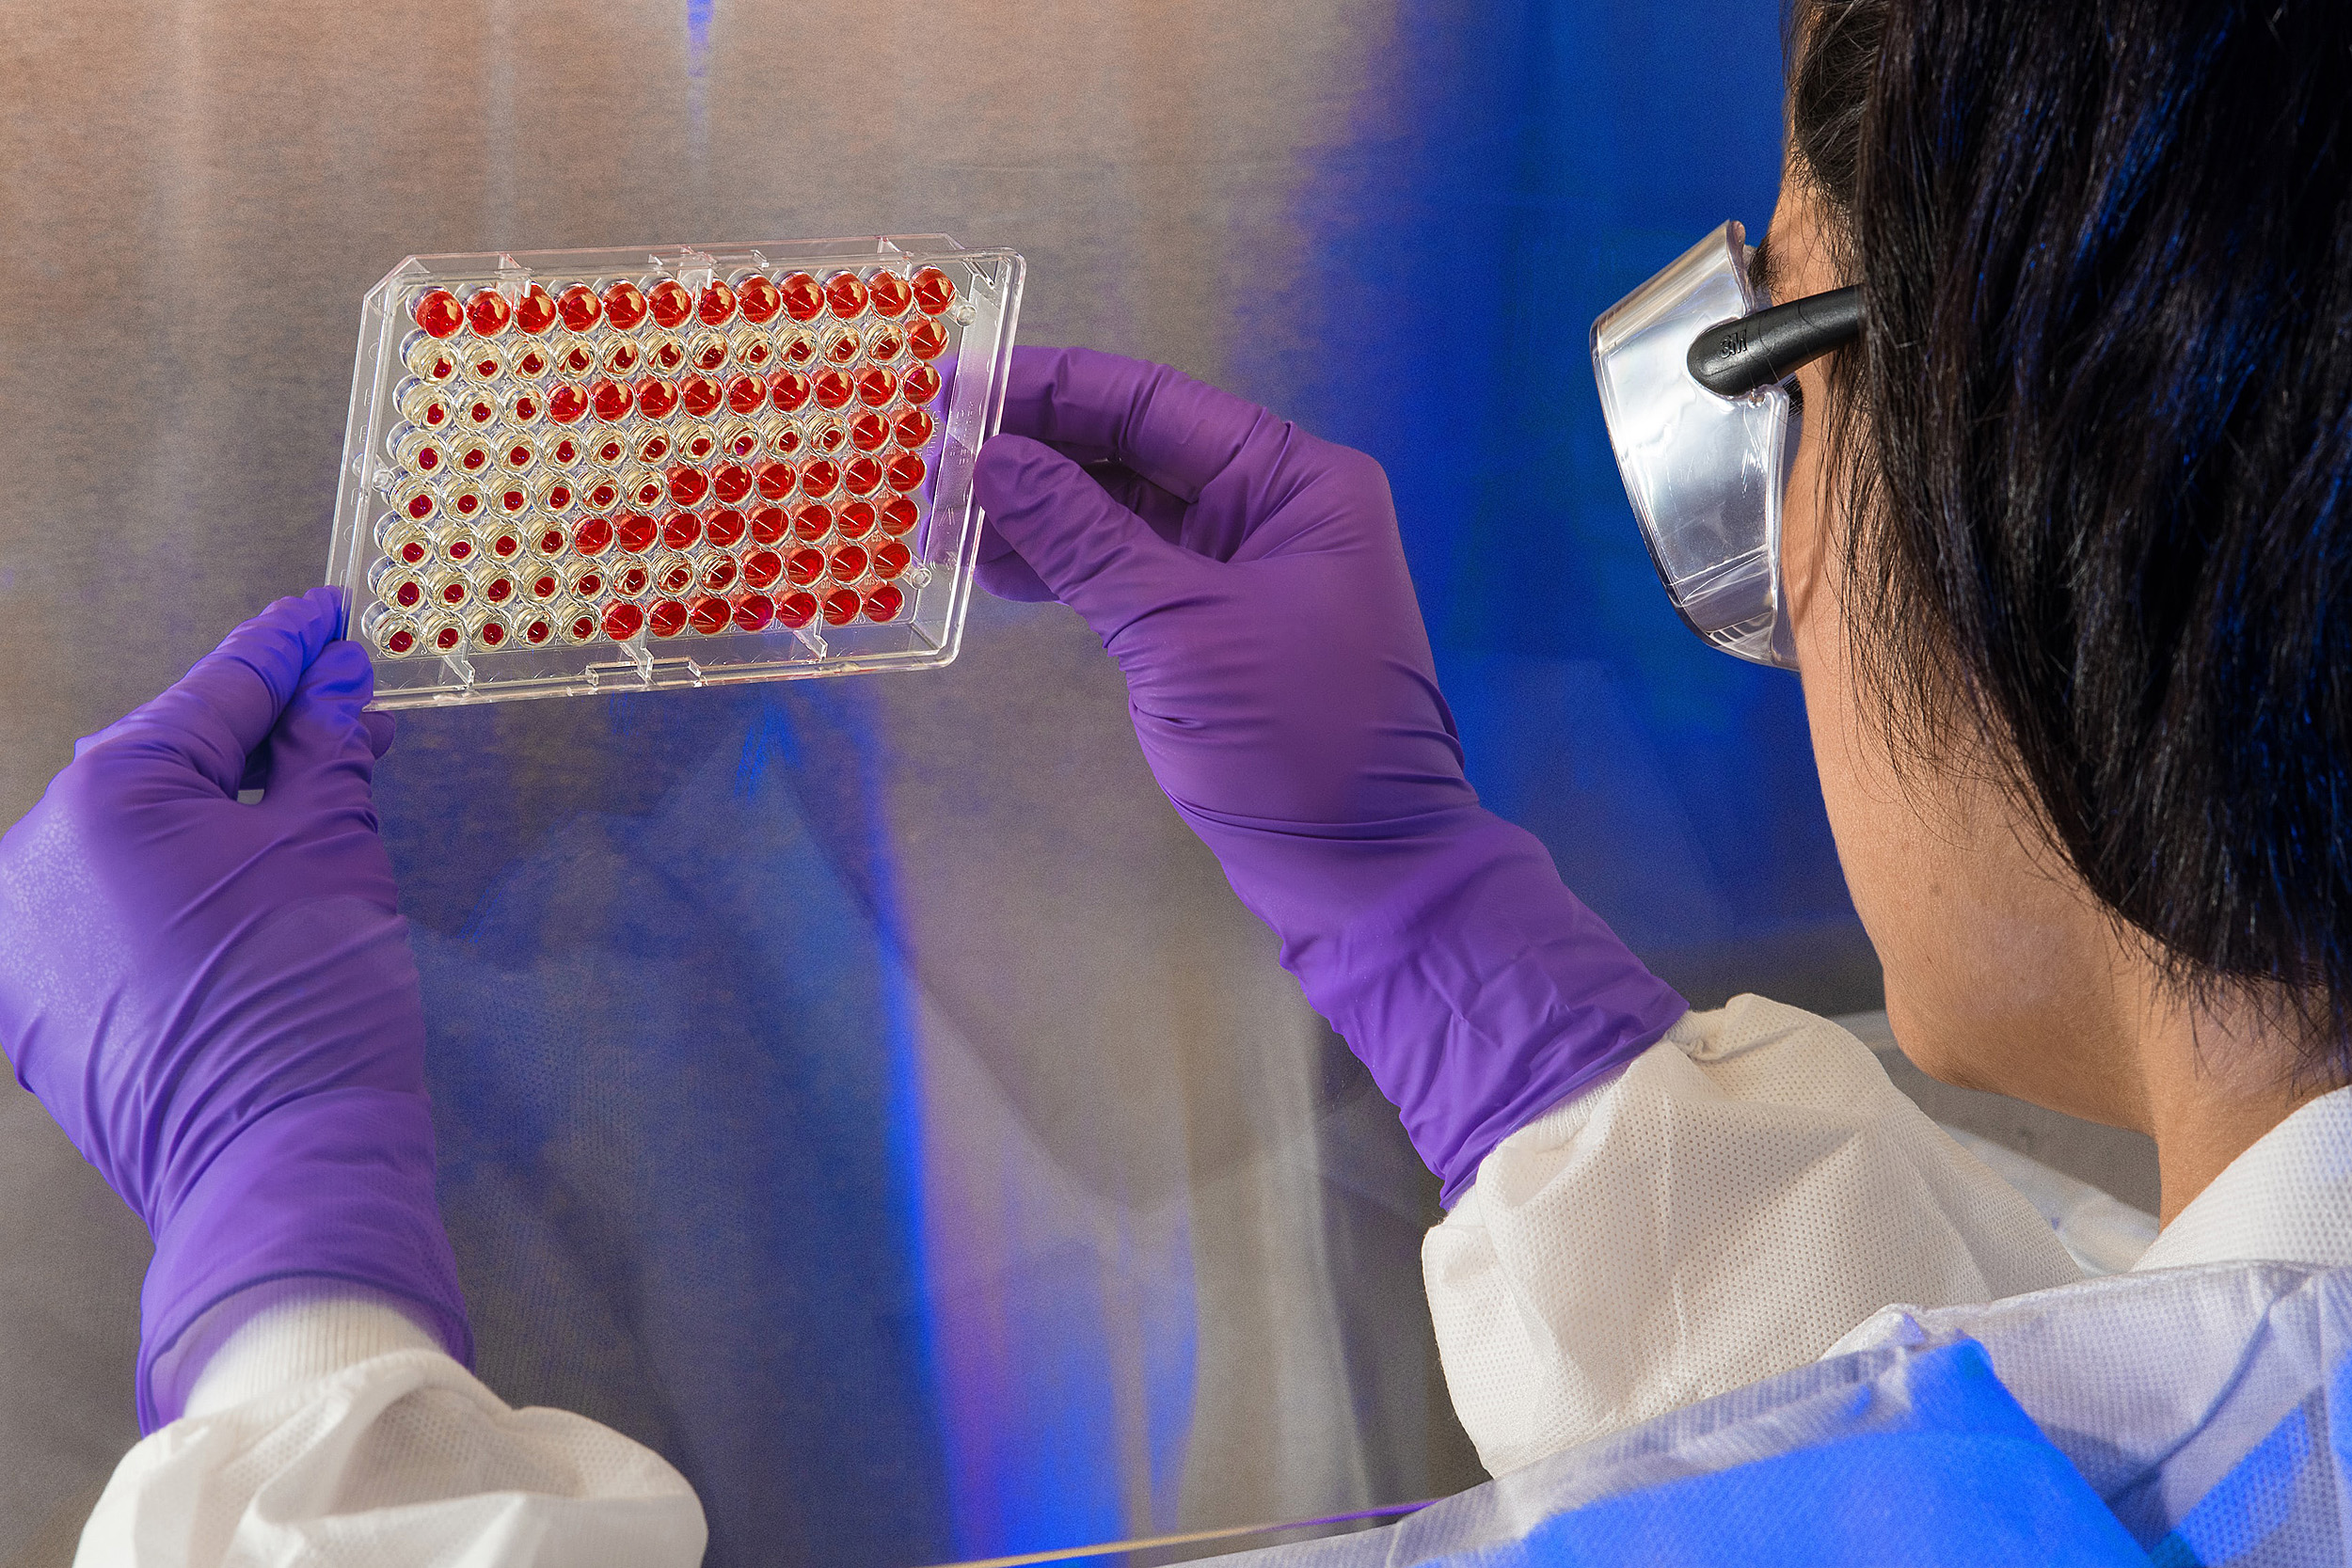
pixel 321 753
pixel 213 717
pixel 1093 554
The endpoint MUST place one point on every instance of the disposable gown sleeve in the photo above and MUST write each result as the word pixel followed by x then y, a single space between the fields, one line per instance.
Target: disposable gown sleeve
pixel 1724 1208
pixel 336 1433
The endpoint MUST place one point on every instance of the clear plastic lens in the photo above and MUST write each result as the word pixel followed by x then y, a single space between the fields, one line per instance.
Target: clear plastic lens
pixel 1705 472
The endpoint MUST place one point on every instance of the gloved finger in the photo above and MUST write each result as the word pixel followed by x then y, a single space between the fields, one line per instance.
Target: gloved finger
pixel 1164 510
pixel 1004 573
pixel 213 717
pixel 380 731
pixel 1001 571
pixel 1178 432
pixel 1093 554
pixel 322 754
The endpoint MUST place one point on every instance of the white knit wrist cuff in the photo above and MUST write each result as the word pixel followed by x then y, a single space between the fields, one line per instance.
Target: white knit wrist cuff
pixel 303 1336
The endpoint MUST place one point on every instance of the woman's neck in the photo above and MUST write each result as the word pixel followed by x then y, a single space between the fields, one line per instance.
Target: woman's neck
pixel 2215 1080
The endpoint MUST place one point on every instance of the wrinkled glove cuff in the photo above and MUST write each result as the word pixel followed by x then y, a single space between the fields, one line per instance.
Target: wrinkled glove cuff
pixel 336 1187
pixel 1478 991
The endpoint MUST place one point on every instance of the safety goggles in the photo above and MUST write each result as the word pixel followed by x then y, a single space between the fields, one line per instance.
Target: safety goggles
pixel 1694 367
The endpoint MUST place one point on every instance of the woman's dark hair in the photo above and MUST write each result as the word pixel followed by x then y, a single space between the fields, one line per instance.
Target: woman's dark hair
pixel 2096 440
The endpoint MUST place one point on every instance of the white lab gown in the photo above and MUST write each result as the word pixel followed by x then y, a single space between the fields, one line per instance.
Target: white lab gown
pixel 1748 1194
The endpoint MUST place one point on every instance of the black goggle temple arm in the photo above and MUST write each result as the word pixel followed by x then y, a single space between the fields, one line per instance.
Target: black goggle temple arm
pixel 1733 358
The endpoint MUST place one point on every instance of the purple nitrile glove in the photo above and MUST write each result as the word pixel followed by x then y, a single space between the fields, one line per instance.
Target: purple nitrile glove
pixel 1250 581
pixel 217 1002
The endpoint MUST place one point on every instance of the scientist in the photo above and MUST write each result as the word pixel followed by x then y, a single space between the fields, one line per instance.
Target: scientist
pixel 2060 557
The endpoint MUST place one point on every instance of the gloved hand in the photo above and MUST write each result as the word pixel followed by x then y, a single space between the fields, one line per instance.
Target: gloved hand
pixel 1250 581
pixel 217 1002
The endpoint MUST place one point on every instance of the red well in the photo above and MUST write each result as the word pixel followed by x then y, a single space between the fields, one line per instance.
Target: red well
pixel 437 311
pixel 758 298
pixel 669 301
pixel 804 301
pixel 724 528
pixel 578 306
pixel 625 305
pixel 890 292
pixel 537 312
pixel 488 313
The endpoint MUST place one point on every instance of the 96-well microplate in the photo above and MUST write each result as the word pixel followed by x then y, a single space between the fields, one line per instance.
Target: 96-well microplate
pixel 577 471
